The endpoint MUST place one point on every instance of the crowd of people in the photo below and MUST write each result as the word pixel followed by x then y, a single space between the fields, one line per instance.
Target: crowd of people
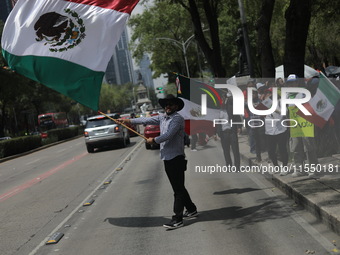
pixel 268 134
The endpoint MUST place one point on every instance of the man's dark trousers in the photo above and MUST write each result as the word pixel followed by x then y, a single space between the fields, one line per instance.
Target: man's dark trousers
pixel 174 169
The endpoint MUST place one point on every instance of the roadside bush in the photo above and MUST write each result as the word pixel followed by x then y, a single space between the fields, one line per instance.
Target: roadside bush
pixel 26 143
pixel 62 134
pixel 50 139
pixel 19 145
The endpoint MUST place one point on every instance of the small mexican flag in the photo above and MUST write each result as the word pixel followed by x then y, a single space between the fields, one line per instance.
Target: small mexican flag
pixel 65 44
pixel 321 106
pixel 190 91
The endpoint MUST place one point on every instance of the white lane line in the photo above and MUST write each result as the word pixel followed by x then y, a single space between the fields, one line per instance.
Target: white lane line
pixel 297 218
pixel 86 199
pixel 31 162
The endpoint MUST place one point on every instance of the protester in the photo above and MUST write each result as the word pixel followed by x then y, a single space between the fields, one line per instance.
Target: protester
pixel 302 136
pixel 194 139
pixel 279 82
pixel 171 142
pixel 261 88
pixel 276 134
pixel 187 141
pixel 250 84
pixel 336 117
pixel 228 132
pixel 255 127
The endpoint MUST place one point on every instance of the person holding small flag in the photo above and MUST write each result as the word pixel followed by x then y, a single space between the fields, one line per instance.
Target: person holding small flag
pixel 301 136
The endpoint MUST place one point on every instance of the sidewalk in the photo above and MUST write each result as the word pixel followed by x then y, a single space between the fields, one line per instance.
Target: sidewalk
pixel 319 195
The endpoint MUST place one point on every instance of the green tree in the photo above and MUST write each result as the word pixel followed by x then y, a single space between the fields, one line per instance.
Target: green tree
pixel 205 14
pixel 323 44
pixel 165 21
pixel 115 98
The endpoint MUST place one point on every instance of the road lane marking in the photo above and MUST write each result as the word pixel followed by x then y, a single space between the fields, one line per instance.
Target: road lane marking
pixel 34 161
pixel 33 252
pixel 30 183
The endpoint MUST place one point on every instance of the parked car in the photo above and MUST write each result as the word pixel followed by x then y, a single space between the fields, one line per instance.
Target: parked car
pixel 151 131
pixel 132 126
pixel 101 131
pixel 5 138
pixel 44 135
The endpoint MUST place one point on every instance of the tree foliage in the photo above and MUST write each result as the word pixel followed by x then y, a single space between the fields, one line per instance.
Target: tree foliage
pixel 115 98
pixel 155 33
pixel 300 32
pixel 323 44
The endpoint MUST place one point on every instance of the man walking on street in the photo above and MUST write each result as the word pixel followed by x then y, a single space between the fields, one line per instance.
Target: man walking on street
pixel 171 142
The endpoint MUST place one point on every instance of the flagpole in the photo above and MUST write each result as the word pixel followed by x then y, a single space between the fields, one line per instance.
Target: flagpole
pixel 120 123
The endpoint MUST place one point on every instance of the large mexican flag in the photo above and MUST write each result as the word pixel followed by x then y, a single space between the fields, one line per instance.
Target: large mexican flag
pixel 65 44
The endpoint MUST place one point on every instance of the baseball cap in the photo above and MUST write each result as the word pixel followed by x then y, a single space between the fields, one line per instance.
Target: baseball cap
pixel 292 77
pixel 259 85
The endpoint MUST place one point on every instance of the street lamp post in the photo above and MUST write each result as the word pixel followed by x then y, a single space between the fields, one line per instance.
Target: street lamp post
pixel 183 46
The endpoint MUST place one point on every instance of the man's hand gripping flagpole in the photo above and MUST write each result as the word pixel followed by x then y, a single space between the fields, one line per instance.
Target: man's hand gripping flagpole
pixel 120 123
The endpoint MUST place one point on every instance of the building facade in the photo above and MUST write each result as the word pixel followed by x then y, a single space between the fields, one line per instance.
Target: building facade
pixel 120 69
pixel 145 71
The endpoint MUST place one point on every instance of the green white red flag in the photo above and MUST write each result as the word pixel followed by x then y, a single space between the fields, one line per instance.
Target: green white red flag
pixel 322 104
pixel 65 44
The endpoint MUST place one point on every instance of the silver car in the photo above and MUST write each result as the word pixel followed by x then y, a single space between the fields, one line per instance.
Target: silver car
pixel 101 131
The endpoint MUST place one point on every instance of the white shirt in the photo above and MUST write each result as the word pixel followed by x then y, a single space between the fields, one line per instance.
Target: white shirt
pixel 224 116
pixel 273 125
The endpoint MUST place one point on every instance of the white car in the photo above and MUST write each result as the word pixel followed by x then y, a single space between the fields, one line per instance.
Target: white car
pixel 5 138
pixel 102 131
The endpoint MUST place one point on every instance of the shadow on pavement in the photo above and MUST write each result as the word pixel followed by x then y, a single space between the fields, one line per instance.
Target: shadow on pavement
pixel 235 191
pixel 234 216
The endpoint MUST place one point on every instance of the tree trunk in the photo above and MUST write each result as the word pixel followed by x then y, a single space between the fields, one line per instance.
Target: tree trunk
pixel 297 17
pixel 265 51
pixel 212 54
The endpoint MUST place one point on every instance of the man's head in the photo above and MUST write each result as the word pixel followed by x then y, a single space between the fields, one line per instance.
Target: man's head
pixel 279 82
pixel 171 104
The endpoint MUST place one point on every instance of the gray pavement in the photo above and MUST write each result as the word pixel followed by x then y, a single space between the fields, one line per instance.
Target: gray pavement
pixel 319 195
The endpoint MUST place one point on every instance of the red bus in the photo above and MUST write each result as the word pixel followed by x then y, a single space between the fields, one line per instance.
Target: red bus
pixel 49 121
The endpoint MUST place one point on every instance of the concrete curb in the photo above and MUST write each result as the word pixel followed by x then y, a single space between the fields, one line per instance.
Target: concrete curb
pixel 319 196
